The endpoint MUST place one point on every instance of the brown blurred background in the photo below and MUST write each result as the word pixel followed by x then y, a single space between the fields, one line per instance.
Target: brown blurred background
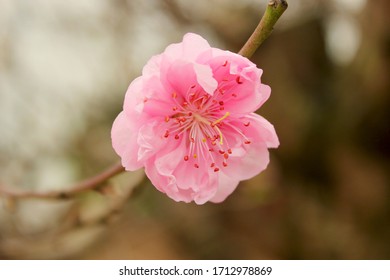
pixel 64 69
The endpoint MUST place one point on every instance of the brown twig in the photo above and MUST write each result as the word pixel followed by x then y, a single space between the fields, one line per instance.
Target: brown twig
pixel 87 184
pixel 271 15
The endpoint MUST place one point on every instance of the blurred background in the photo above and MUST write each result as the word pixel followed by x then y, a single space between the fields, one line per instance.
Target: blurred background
pixel 64 69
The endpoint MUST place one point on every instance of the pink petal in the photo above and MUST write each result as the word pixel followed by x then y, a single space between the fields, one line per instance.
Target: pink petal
pixel 265 92
pixel 160 171
pixel 158 101
pixel 150 139
pixel 133 104
pixel 226 186
pixel 124 141
pixel 263 130
pixel 204 76
pixel 164 183
pixel 179 179
pixel 255 160
pixel 250 159
pixel 249 97
pixel 189 49
pixel 152 67
pixel 201 182
pixel 238 77
pixel 182 76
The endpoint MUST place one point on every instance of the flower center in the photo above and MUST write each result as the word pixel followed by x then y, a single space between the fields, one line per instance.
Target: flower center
pixel 200 119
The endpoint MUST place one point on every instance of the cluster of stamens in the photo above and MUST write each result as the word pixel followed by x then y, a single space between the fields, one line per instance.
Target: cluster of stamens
pixel 201 118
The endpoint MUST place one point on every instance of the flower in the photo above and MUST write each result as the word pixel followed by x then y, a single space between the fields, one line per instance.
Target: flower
pixel 189 121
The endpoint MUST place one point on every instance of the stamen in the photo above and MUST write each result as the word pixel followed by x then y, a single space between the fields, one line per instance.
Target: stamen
pixel 220 135
pixel 227 114
pixel 199 118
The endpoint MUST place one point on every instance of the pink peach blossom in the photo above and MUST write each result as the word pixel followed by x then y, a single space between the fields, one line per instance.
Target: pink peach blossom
pixel 189 121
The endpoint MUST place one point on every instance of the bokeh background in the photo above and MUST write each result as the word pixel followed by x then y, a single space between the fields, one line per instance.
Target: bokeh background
pixel 64 69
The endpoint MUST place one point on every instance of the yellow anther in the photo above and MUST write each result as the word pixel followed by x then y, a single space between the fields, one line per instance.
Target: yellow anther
pixel 195 155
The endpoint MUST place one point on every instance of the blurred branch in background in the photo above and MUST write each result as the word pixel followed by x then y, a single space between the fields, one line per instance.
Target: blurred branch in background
pixel 94 182
pixel 42 228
